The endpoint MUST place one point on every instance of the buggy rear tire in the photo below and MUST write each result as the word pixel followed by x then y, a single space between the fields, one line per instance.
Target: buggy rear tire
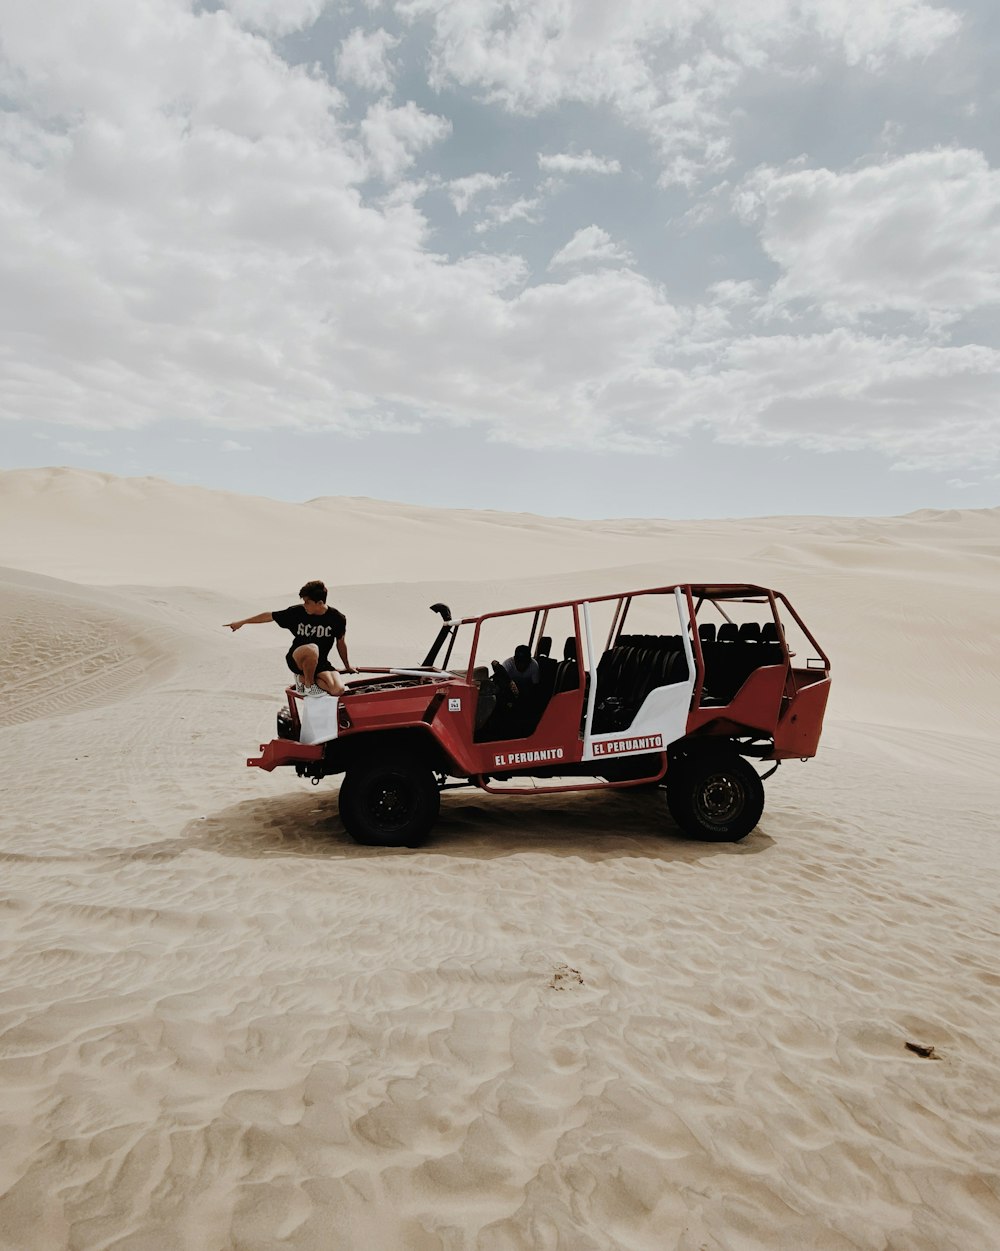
pixel 716 797
pixel 389 802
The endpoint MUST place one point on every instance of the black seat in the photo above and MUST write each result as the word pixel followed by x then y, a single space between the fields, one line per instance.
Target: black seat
pixel 568 673
pixel 706 631
pixel 629 671
pixel 547 670
pixel 679 671
pixel 567 677
pixel 652 675
pixel 737 652
pixel 487 699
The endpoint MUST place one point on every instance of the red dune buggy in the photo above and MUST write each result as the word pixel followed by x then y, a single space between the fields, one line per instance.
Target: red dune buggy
pixel 684 689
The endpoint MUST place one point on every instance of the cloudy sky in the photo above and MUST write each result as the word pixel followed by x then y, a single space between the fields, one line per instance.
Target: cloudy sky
pixel 640 257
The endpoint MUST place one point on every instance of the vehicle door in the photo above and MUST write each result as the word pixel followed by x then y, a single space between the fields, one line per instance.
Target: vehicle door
pixel 531 720
pixel 645 676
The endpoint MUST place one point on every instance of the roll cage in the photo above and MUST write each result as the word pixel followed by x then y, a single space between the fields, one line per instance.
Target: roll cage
pixel 702 643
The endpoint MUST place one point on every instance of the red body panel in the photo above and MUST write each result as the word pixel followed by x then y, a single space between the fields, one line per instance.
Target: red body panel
pixel 798 731
pixel 755 706
pixel 454 729
pixel 556 740
pixel 280 751
pixel 379 710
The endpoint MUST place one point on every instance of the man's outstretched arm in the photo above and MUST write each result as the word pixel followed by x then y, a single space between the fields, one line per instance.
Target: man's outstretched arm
pixel 342 649
pixel 258 620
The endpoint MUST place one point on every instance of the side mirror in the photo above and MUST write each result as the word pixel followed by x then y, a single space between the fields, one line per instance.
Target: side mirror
pixel 444 610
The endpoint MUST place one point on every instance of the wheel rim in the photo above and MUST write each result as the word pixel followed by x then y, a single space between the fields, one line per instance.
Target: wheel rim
pixel 719 799
pixel 390 803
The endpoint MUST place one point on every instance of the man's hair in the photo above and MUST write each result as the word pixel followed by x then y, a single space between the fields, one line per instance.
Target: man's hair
pixel 314 591
pixel 522 653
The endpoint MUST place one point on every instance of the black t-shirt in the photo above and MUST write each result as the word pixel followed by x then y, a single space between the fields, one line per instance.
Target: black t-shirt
pixel 323 629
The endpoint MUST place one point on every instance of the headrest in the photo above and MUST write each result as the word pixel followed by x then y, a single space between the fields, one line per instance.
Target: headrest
pixel 544 646
pixel 769 633
pixel 750 631
pixel 569 648
pixel 706 632
pixel 728 633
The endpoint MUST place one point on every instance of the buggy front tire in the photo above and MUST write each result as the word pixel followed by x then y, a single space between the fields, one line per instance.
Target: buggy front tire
pixel 715 797
pixel 389 802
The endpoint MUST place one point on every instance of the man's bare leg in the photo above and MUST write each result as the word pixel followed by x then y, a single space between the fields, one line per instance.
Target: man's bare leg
pixel 307 658
pixel 330 682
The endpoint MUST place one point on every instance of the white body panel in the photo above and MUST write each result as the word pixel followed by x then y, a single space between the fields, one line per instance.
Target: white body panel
pixel 318 718
pixel 662 717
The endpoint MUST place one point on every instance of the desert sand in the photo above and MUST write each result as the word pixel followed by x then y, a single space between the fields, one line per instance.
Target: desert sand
pixel 560 1026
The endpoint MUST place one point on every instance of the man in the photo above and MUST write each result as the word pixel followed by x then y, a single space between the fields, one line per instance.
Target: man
pixel 316 626
pixel 523 669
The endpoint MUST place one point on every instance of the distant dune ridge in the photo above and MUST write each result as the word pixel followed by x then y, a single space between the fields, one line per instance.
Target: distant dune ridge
pixel 557 1027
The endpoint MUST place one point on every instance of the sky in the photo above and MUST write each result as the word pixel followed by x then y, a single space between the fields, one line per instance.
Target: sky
pixel 673 258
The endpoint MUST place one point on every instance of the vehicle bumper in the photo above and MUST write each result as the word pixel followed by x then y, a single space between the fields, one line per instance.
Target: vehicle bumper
pixel 282 751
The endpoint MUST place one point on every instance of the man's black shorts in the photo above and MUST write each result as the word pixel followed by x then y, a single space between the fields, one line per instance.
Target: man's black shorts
pixel 322 665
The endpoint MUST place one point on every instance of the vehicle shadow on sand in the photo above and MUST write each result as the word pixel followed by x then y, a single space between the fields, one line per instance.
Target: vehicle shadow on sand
pixel 471 824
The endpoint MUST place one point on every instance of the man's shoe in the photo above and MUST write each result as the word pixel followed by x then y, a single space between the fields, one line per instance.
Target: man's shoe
pixel 300 687
pixel 314 690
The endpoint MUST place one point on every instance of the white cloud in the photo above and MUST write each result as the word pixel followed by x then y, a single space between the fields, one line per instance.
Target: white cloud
pixel 591 246
pixel 232 445
pixel 497 212
pixel 394 136
pixel 669 70
pixel 584 163
pixel 525 209
pixel 462 191
pixel 730 294
pixel 362 59
pixel 870 31
pixel 923 405
pixel 917 234
pixel 276 17
pixel 154 65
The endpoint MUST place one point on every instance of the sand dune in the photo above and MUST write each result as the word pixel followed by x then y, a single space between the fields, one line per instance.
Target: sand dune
pixel 67 647
pixel 559 1025
pixel 94 528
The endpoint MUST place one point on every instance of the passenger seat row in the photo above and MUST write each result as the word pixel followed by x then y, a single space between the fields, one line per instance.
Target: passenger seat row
pixel 733 652
pixel 627 672
pixel 730 632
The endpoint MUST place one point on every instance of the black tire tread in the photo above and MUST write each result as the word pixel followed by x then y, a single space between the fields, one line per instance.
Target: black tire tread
pixel 355 811
pixel 687 774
